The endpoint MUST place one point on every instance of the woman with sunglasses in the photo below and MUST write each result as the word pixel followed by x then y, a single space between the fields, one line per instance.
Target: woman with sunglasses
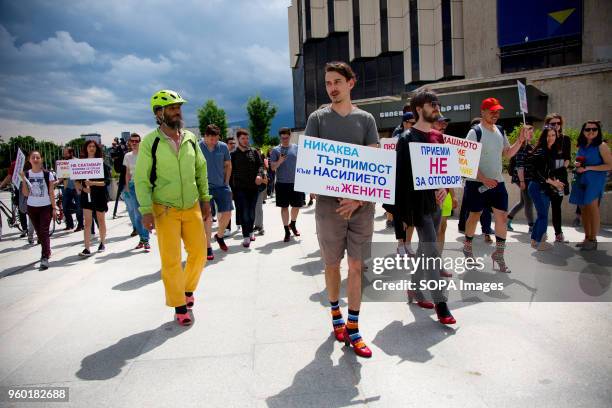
pixel 555 121
pixel 544 184
pixel 592 168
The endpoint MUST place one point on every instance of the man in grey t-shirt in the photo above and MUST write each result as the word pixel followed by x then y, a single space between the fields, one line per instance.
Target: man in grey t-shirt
pixel 283 159
pixel 343 224
pixel 489 189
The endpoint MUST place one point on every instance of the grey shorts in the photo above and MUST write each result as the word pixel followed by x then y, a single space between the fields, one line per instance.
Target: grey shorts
pixel 335 234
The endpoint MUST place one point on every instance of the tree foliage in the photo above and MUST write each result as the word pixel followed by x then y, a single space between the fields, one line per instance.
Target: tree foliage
pixel 261 112
pixel 210 113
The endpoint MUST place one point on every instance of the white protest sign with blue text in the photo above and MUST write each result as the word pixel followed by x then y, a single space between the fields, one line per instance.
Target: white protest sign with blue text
pixel 90 169
pixel 434 166
pixel 345 170
pixel 19 163
pixel 522 93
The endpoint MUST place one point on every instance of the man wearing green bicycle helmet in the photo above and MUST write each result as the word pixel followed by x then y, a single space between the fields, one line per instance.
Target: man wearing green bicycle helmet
pixel 172 189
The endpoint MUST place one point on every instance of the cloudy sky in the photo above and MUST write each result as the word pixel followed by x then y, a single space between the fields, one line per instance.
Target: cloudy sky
pixel 71 67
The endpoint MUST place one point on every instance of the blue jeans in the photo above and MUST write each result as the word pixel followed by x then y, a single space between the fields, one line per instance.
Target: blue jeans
pixel 541 202
pixel 71 202
pixel 129 196
pixel 246 202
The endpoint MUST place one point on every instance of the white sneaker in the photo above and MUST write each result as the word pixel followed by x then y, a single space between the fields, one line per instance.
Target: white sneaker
pixel 409 250
pixel 227 233
pixel 401 250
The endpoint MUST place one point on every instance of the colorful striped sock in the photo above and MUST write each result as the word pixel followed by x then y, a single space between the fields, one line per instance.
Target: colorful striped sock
pixel 337 319
pixel 352 327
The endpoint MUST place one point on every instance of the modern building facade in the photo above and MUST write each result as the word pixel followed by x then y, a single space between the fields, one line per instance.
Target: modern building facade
pixel 464 50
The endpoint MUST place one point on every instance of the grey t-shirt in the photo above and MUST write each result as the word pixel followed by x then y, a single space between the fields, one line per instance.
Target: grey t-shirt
pixel 215 163
pixel 285 173
pixel 493 144
pixel 358 127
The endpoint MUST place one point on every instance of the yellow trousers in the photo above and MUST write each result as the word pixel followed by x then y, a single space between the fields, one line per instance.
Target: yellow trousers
pixel 172 225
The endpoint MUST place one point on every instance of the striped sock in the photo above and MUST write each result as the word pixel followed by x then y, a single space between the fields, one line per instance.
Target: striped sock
pixel 337 319
pixel 352 327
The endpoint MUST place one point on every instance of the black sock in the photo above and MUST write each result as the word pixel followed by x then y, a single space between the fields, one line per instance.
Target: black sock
pixel 188 293
pixel 469 239
pixel 181 309
pixel 292 224
pixel 498 239
pixel 286 230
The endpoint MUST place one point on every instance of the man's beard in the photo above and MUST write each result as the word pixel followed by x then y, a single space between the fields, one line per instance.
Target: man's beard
pixel 431 118
pixel 176 124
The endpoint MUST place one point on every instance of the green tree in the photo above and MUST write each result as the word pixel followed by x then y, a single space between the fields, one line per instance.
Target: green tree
pixel 261 112
pixel 210 113
pixel 76 144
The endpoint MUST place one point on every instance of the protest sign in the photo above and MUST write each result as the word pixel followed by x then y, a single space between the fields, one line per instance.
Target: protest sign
pixel 522 93
pixel 62 168
pixel 19 163
pixel 434 166
pixel 345 170
pixel 468 154
pixel 389 143
pixel 81 169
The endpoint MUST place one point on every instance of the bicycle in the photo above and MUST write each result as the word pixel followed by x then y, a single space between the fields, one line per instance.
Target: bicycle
pixel 11 213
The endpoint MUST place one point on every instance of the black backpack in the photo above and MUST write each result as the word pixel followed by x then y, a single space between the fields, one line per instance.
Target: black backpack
pixel 478 131
pixel 153 174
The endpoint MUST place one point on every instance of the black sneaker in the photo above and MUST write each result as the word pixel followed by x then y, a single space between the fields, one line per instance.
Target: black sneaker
pixel 101 248
pixel 209 254
pixel 44 264
pixel 85 253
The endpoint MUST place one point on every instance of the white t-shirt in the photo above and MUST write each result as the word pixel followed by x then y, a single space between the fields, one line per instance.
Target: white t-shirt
pixel 129 161
pixel 39 191
pixel 493 144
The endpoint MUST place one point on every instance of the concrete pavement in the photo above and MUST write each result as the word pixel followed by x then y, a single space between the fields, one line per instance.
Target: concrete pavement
pixel 262 334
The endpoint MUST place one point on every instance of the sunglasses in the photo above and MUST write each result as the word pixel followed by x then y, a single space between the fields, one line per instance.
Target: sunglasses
pixel 134 141
pixel 594 129
pixel 435 104
pixel 554 123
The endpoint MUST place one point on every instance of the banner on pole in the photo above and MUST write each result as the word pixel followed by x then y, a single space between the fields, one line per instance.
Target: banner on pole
pixel 19 163
pixel 62 168
pixel 81 169
pixel 522 93
pixel 434 166
pixel 468 155
pixel 345 170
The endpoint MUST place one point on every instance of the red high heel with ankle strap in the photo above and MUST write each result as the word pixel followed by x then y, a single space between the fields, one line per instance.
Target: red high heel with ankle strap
pixel 189 301
pixel 424 304
pixel 339 333
pixel 358 346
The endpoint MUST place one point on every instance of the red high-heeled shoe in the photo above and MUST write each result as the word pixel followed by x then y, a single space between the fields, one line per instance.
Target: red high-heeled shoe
pixel 183 319
pixel 359 346
pixel 424 304
pixel 339 333
pixel 189 301
pixel 444 315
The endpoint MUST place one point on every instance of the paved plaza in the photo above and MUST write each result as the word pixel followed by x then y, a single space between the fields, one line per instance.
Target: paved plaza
pixel 262 332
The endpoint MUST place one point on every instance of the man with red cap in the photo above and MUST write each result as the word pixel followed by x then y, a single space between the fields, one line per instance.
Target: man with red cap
pixel 488 190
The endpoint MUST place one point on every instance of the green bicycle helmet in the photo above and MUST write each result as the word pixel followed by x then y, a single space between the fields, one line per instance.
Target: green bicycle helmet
pixel 164 98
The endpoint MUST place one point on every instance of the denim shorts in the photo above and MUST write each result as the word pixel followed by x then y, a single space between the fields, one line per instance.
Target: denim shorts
pixel 222 198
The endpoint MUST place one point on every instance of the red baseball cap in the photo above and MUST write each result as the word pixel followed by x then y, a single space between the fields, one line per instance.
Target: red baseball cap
pixel 491 104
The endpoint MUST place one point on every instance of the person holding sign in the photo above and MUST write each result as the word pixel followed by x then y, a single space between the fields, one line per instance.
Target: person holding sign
pixel 70 199
pixel 37 185
pixel 489 189
pixel 171 182
pixel 421 208
pixel 343 224
pixel 93 198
